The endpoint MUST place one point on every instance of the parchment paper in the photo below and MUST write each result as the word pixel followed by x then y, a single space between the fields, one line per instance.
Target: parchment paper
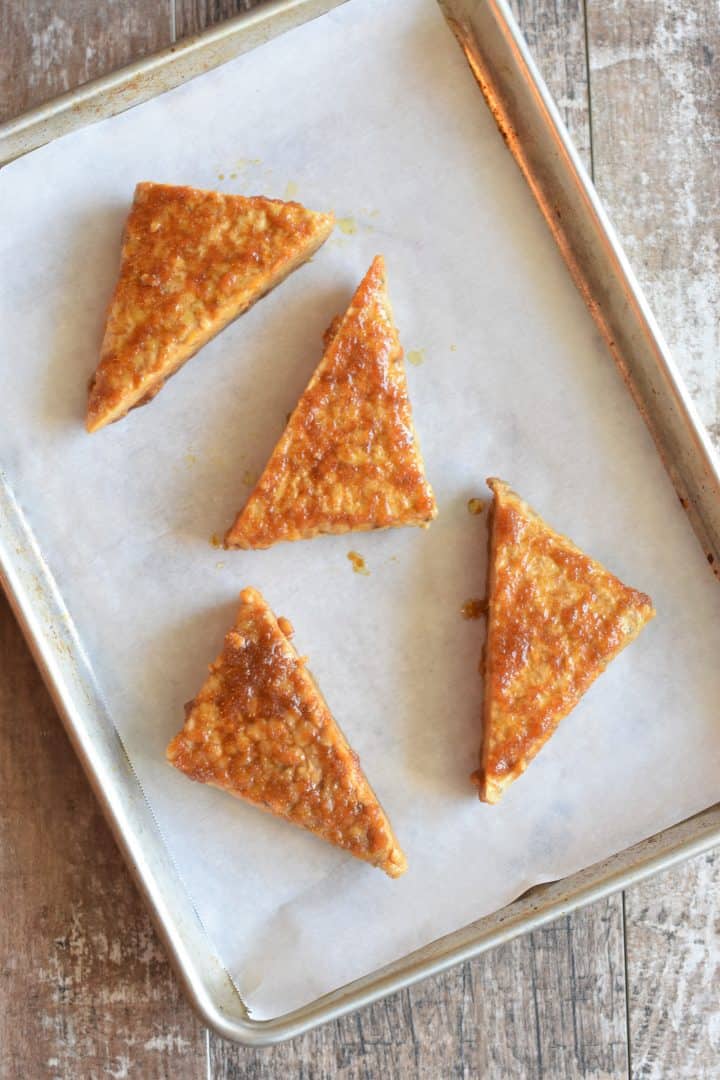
pixel 371 111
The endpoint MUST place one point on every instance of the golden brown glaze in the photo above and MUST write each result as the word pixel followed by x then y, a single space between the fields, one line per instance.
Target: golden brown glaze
pixel 260 730
pixel 348 458
pixel 556 618
pixel 191 262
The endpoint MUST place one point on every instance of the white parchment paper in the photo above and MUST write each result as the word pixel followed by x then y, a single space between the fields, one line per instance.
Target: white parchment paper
pixel 370 111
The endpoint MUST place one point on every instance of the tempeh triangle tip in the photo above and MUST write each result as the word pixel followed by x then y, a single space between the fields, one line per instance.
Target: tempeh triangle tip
pixel 556 618
pixel 260 730
pixel 349 458
pixel 192 261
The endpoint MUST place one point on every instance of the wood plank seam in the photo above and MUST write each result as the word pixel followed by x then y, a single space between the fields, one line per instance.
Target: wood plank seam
pixel 627 995
pixel 589 89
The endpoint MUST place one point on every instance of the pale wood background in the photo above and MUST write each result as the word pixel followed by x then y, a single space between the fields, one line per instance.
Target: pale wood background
pixel 630 986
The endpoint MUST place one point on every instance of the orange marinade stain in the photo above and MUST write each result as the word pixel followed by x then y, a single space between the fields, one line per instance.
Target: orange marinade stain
pixel 473 609
pixel 358 563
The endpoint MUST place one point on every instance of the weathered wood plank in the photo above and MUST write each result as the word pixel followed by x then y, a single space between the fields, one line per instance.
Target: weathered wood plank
pixel 49 46
pixel 673 928
pixel 191 16
pixel 555 32
pixel 85 988
pixel 553 1004
pixel 655 83
pixel 655 89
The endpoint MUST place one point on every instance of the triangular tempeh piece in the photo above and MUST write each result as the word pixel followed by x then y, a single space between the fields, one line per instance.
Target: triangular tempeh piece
pixel 260 729
pixel 192 261
pixel 556 618
pixel 348 458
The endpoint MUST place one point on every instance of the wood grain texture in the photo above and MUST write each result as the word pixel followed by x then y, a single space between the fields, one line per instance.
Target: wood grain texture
pixel 49 46
pixel 85 988
pixel 655 86
pixel 555 32
pixel 673 928
pixel 655 89
pixel 192 16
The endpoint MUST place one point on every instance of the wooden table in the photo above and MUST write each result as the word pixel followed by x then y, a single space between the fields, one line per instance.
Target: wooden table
pixel 628 986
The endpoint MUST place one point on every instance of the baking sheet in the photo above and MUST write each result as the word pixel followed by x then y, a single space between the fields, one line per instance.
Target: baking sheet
pixel 513 380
